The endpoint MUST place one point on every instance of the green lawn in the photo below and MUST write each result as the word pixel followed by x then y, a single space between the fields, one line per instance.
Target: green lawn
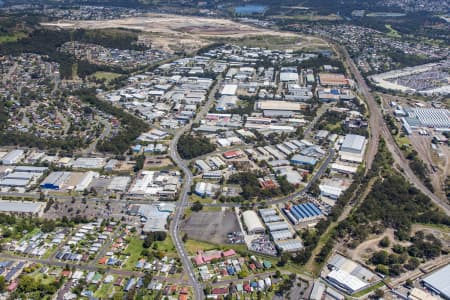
pixel 45 279
pixel 368 290
pixel 11 38
pixel 193 245
pixel 107 76
pixel 392 32
pixel 167 247
pixel 104 291
pixel 134 250
pixel 193 198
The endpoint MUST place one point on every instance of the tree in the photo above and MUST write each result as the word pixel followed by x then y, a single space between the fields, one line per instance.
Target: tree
pixel 190 146
pixel 384 242
pixel 379 293
pixel 197 206
pixel 2 284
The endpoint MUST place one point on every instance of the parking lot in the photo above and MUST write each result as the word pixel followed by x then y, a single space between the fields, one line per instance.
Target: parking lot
pixel 211 226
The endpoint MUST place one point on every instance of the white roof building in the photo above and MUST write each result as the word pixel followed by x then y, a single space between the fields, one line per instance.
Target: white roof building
pixel 229 89
pixel 253 223
pixel 346 281
pixel 439 282
pixel 354 144
pixel 13 157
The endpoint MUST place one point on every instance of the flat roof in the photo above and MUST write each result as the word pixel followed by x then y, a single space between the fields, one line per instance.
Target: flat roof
pixel 280 105
pixel 20 207
pixel 440 281
pixel 353 142
pixel 229 89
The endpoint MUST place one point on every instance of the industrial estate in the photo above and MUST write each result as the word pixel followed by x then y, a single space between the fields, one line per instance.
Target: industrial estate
pixel 167 151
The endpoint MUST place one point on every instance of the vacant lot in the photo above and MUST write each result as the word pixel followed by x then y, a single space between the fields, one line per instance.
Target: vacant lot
pixel 175 32
pixel 211 226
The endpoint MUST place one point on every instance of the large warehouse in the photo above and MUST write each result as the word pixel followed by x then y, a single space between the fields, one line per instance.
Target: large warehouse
pixel 353 143
pixel 22 208
pixel 428 117
pixel 352 148
pixel 252 222
pixel 439 282
pixel 349 276
pixel 280 105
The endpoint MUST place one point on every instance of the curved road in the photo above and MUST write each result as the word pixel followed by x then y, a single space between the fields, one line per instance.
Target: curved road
pixel 183 202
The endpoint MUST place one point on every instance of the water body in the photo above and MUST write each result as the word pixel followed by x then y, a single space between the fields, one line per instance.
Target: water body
pixel 249 9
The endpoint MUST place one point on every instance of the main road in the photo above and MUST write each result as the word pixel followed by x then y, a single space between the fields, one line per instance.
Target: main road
pixel 184 194
pixel 379 128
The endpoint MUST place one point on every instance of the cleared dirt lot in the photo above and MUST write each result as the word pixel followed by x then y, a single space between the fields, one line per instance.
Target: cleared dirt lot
pixel 211 226
pixel 173 32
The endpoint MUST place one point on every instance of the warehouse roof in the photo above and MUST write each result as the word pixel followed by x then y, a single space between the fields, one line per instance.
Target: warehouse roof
pixel 20 207
pixel 440 281
pixel 289 245
pixel 229 89
pixel 280 105
pixel 353 142
pixel 346 280
pixel 252 221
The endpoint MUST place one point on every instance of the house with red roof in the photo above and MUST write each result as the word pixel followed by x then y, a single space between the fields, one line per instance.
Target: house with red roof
pixel 13 286
pixel 232 154
pixel 228 253
pixel 219 291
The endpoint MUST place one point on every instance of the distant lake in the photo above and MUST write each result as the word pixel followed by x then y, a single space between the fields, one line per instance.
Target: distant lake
pixel 250 9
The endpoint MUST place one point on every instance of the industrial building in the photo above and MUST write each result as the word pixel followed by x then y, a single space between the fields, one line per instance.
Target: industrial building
pixel 86 181
pixel 280 105
pixel 156 185
pixel 252 222
pixel 299 159
pixel 333 188
pixel 289 75
pixel 332 79
pixel 439 282
pixel 352 148
pixel 206 189
pixel 289 245
pixel 153 215
pixel 55 180
pixel 89 163
pixel 302 212
pixel 353 144
pixel 119 184
pixel 35 209
pixel 229 90
pixel 13 157
pixel 349 276
pixel 78 181
pixel 428 118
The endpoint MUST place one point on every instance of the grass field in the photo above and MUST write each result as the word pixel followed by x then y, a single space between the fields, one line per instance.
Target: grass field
pixel 107 76
pixel 368 290
pixel 392 32
pixel 134 249
pixel 11 38
pixel 167 247
pixel 193 245
pixel 104 291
